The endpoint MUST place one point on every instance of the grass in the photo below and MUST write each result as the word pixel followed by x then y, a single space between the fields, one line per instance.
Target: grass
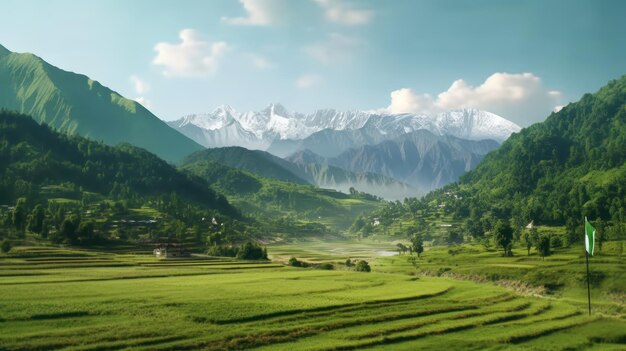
pixel 54 298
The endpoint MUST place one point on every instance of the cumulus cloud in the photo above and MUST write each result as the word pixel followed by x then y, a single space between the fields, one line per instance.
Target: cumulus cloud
pixel 191 57
pixel 139 85
pixel 521 98
pixel 406 100
pixel 258 13
pixel 308 81
pixel 336 49
pixel 341 12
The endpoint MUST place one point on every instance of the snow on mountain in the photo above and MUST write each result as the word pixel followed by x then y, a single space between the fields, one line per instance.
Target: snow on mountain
pixel 225 126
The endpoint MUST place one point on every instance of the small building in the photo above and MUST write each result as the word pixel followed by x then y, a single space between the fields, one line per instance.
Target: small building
pixel 170 250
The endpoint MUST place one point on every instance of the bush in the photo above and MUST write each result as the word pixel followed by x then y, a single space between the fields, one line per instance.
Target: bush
pixel 6 246
pixel 363 266
pixel 349 263
pixel 294 262
pixel 556 241
pixel 326 266
pixel 248 251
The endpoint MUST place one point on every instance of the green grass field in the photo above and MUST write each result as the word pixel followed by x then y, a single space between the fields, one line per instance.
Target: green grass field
pixel 54 298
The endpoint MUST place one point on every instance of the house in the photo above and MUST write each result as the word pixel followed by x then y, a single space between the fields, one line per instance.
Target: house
pixel 170 250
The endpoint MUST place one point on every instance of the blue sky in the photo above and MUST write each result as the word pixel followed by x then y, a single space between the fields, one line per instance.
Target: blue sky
pixel 519 59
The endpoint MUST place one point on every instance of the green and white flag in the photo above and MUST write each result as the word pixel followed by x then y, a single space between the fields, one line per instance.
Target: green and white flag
pixel 590 237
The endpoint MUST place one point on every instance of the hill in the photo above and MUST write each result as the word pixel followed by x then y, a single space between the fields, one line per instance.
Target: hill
pixel 570 166
pixel 75 104
pixel 267 165
pixel 289 207
pixel 50 176
pixel 254 161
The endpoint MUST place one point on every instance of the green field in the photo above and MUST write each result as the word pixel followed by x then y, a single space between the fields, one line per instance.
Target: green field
pixel 54 298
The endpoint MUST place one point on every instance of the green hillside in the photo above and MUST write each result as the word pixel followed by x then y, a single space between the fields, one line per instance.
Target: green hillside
pixel 553 173
pixel 290 207
pixel 323 175
pixel 255 161
pixel 47 178
pixel 570 166
pixel 74 104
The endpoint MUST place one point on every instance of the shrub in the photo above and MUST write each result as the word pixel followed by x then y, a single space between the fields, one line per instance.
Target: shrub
pixel 294 262
pixel 349 263
pixel 5 246
pixel 326 266
pixel 363 266
pixel 556 241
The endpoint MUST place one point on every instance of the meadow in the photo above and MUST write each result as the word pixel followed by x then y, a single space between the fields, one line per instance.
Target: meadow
pixel 61 298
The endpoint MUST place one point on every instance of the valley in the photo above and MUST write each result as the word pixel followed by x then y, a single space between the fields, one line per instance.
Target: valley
pixel 465 190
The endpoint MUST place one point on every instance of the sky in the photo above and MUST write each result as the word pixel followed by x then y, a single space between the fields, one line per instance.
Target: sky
pixel 519 59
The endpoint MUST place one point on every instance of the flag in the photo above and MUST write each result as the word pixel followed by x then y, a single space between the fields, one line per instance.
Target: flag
pixel 590 236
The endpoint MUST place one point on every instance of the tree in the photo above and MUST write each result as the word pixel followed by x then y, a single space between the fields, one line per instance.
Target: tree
pixel 503 236
pixel 530 238
pixel 601 235
pixel 418 244
pixel 363 266
pixel 85 230
pixel 454 237
pixel 544 246
pixel 526 239
pixel 69 227
pixel 5 246
pixel 401 248
pixel 37 215
pixel 19 215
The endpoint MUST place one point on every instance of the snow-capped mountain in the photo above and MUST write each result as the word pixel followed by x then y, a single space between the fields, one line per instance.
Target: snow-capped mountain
pixel 278 130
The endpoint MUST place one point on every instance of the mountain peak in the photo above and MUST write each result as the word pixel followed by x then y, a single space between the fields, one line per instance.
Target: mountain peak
pixel 277 109
pixel 224 109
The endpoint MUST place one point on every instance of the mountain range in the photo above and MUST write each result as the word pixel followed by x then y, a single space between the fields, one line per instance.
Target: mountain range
pixel 389 155
pixel 328 132
pixel 421 159
pixel 75 104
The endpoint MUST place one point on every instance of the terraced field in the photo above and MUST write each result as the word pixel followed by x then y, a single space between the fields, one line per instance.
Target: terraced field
pixel 82 300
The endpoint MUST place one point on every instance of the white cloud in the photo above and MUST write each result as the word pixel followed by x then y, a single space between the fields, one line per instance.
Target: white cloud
pixel 260 62
pixel 259 13
pixel 341 12
pixel 145 102
pixel 191 57
pixel 521 98
pixel 338 48
pixel 308 81
pixel 406 100
pixel 139 84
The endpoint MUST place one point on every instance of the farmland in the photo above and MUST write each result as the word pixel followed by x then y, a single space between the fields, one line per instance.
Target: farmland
pixel 88 300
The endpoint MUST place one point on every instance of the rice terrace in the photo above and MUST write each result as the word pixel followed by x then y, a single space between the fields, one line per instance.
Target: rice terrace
pixel 316 175
pixel 86 300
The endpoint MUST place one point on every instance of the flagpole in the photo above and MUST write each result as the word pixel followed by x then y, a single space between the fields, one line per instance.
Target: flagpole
pixel 588 288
